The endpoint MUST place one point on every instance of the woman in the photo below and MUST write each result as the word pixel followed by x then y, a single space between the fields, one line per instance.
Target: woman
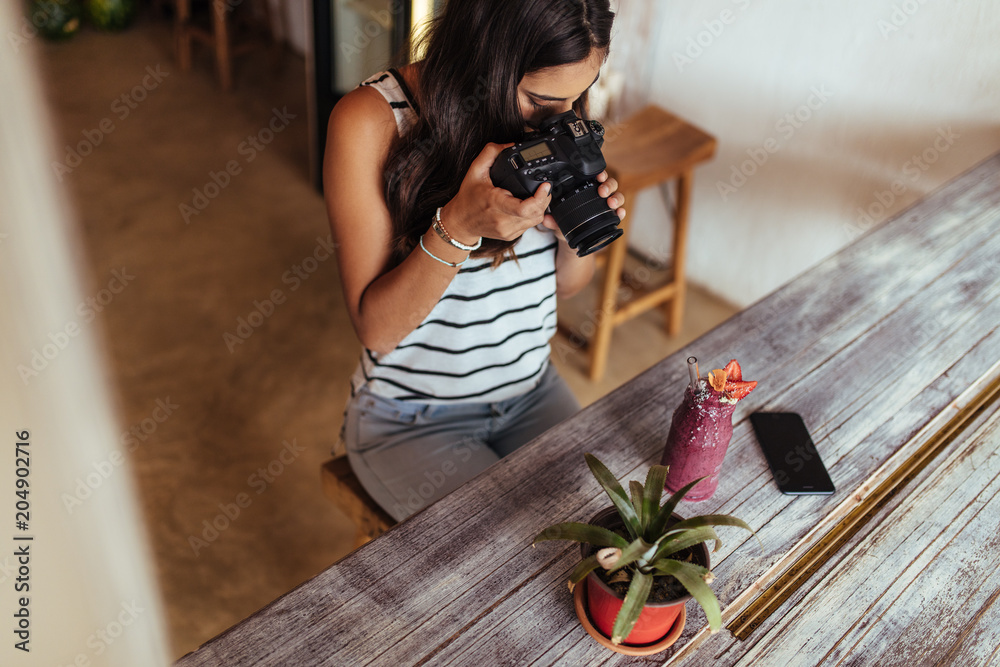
pixel 450 282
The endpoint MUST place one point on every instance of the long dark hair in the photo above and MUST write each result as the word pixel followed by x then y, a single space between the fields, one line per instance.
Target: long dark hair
pixel 477 53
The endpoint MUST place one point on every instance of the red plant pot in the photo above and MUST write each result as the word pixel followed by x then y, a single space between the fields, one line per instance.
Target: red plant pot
pixel 603 603
pixel 654 621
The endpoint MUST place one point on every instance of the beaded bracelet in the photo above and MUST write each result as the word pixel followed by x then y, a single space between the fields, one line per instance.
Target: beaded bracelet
pixel 447 238
pixel 433 256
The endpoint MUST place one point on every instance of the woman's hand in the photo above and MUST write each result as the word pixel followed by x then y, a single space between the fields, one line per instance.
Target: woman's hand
pixel 574 272
pixel 482 209
pixel 608 189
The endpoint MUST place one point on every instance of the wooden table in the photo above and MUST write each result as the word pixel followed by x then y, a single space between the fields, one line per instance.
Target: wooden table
pixel 878 348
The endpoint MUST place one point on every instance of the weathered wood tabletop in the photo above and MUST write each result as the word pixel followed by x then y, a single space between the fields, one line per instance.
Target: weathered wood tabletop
pixel 878 347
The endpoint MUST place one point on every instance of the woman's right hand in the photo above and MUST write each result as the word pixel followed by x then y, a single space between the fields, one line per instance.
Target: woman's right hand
pixel 482 209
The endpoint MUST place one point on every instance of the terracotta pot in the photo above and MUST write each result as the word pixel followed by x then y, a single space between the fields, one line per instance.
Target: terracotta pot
pixel 580 606
pixel 603 603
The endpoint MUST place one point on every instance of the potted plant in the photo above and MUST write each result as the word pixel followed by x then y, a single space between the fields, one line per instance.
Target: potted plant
pixel 638 545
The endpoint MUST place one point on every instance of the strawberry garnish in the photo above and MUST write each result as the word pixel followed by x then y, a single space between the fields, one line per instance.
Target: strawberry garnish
pixel 734 391
pixel 729 382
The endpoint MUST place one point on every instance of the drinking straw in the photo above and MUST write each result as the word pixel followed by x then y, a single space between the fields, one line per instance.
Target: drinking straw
pixel 693 372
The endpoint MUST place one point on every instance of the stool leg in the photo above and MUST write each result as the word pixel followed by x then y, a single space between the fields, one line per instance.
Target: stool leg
pixel 608 304
pixel 674 309
pixel 220 27
pixel 182 38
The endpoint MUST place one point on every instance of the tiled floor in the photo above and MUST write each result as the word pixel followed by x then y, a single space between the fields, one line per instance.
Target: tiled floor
pixel 222 319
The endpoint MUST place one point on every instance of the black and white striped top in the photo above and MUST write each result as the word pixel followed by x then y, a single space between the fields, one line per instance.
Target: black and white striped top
pixel 487 339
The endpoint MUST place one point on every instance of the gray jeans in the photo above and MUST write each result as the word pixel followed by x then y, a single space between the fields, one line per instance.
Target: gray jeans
pixel 407 454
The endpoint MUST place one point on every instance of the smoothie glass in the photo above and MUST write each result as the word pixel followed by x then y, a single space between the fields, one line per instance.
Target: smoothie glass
pixel 701 429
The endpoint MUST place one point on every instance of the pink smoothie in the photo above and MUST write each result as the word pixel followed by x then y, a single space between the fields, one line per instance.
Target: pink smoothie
pixel 699 436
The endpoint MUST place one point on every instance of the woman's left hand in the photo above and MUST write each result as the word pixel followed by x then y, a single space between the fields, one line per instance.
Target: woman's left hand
pixel 574 272
pixel 608 189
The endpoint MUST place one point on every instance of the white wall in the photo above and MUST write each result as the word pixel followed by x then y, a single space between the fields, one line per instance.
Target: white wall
pixel 873 83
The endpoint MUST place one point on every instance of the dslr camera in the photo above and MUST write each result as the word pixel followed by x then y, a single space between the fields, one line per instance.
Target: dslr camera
pixel 566 152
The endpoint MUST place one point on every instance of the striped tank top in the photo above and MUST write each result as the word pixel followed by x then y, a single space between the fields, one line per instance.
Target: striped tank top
pixel 487 339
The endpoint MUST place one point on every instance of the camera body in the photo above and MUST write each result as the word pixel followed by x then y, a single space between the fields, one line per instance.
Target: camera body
pixel 566 152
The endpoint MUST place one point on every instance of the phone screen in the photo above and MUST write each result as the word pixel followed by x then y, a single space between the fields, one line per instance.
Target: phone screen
pixel 791 454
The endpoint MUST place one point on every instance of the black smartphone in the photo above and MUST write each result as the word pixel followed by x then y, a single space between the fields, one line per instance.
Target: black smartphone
pixel 791 454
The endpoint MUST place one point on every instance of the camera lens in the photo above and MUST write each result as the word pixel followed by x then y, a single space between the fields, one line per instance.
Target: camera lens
pixel 585 219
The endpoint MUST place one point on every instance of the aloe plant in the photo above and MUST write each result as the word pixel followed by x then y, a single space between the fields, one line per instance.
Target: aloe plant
pixel 651 548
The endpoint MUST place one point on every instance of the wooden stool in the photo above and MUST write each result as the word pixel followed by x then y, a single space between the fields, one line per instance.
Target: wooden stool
pixel 218 37
pixel 343 488
pixel 651 147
